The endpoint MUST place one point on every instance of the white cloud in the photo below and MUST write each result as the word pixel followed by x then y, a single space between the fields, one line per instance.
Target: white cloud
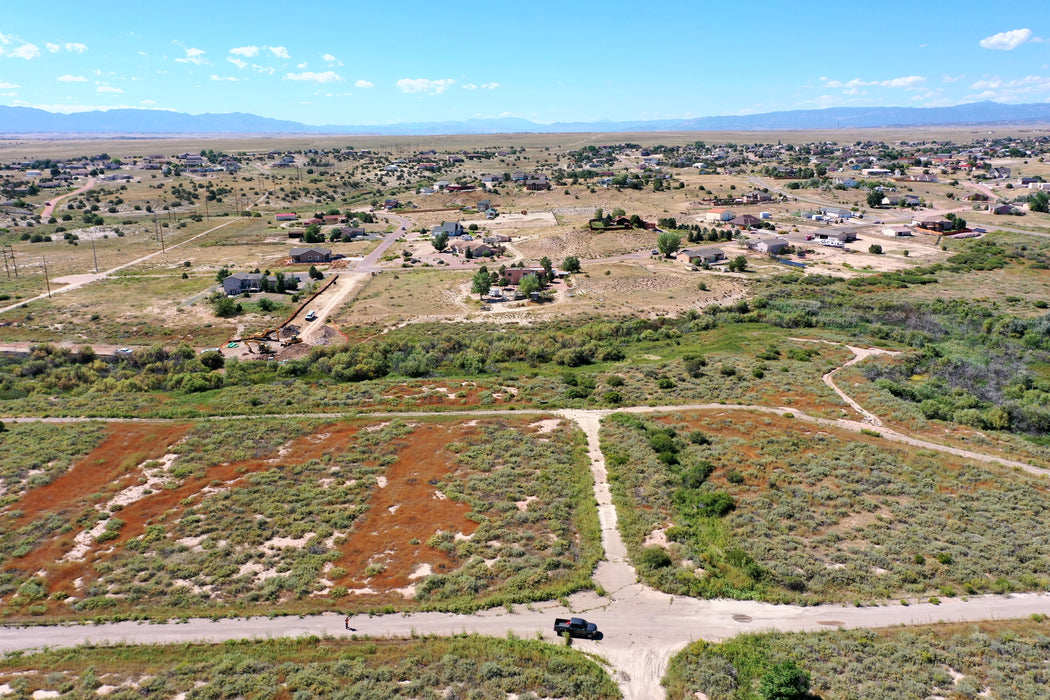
pixel 469 86
pixel 148 103
pixel 364 84
pixel 108 88
pixel 237 62
pixel 53 48
pixel 265 70
pixel 229 79
pixel 489 86
pixel 910 82
pixel 302 66
pixel 246 51
pixel 1011 90
pixel 26 51
pixel 327 77
pixel 72 79
pixel 8 86
pixel 331 60
pixel 1007 41
pixel 68 108
pixel 76 47
pixel 278 51
pixel 194 56
pixel 424 86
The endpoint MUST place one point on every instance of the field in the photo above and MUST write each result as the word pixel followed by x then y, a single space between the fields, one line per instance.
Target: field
pixel 730 504
pixel 1002 659
pixel 461 666
pixel 256 516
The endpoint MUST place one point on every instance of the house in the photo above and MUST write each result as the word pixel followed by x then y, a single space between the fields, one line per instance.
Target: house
pixel 744 221
pixel 756 197
pixel 836 213
pixel 896 231
pixel 484 205
pixel 491 213
pixel 1003 209
pixel 453 229
pixel 241 282
pixel 772 246
pixel 491 180
pixel 496 238
pixel 999 173
pixel 718 215
pixel 537 182
pixel 391 203
pixel 876 172
pixel 936 225
pixel 844 235
pixel 514 275
pixel 334 219
pixel 477 249
pixel 311 255
pixel 349 233
pixel 699 256
pixel 286 216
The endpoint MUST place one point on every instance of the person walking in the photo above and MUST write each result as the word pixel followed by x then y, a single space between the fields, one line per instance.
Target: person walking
pixel 346 622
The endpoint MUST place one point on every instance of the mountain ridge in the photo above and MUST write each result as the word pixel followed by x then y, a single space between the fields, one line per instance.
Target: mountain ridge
pixel 29 120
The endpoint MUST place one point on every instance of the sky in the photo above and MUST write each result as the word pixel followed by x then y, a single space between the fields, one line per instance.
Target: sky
pixel 354 62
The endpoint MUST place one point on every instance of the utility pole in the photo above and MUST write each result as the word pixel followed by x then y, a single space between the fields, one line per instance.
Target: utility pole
pixel 93 253
pixel 3 250
pixel 46 280
pixel 11 252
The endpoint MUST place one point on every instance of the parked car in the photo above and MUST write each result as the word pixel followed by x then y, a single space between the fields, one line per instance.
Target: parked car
pixel 576 627
pixel 311 316
pixel 123 352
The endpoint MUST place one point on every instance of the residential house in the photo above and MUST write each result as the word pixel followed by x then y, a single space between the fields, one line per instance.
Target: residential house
pixel 699 256
pixel 241 282
pixel 1003 209
pixel 454 229
pixel 845 235
pixel 477 249
pixel 756 197
pixel 391 203
pixel 311 255
pixel 514 275
pixel 896 231
pixel 935 225
pixel 772 246
pixel 876 172
pixel 718 215
pixel 536 182
pixel 349 233
pixel 286 216
pixel 745 221
pixel 496 238
pixel 836 212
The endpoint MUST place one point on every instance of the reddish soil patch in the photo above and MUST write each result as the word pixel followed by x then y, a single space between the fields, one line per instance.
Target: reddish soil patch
pixel 126 446
pixel 109 468
pixel 408 508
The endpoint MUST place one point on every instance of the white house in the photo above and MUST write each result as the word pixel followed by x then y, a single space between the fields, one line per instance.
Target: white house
pixel 718 215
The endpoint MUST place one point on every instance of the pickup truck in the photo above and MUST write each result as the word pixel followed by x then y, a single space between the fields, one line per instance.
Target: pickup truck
pixel 576 627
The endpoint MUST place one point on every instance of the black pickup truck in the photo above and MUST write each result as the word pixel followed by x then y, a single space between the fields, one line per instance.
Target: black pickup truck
pixel 576 627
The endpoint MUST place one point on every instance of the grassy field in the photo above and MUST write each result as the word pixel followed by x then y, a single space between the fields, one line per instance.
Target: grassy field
pixel 431 667
pixel 730 504
pixel 294 515
pixel 1002 659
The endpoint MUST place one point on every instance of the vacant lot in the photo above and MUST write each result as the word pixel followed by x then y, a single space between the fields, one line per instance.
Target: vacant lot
pixel 725 503
pixel 990 659
pixel 464 666
pixel 297 515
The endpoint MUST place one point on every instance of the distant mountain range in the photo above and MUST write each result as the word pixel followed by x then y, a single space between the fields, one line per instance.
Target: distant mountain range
pixel 25 120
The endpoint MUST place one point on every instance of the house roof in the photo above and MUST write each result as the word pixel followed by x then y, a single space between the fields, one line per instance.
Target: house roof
pixel 304 251
pixel 703 252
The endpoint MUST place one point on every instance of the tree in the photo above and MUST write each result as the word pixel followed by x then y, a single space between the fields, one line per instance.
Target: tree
pixel 529 284
pixel 481 283
pixel 222 274
pixel 266 305
pixel 548 267
pixel 738 264
pixel 439 241
pixel 668 243
pixel 571 264
pixel 226 307
pixel 315 274
pixel 1039 202
pixel 874 198
pixel 785 681
pixel 313 234
pixel 875 249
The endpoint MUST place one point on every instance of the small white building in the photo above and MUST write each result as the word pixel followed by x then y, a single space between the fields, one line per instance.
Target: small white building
pixel 718 215
pixel 764 215
pixel 896 231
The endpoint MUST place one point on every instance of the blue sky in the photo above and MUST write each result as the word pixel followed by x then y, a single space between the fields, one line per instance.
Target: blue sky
pixel 546 61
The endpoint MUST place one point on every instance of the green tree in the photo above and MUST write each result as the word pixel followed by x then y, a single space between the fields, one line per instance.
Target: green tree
pixel 226 307
pixel 266 305
pixel 313 234
pixel 738 264
pixel 439 241
pixel 222 274
pixel 874 198
pixel 315 274
pixel 571 264
pixel 1039 202
pixel 668 243
pixel 481 283
pixel 529 284
pixel 875 249
pixel 548 267
pixel 785 681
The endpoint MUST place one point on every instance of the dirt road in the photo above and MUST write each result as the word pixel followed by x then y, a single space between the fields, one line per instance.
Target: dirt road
pixel 49 208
